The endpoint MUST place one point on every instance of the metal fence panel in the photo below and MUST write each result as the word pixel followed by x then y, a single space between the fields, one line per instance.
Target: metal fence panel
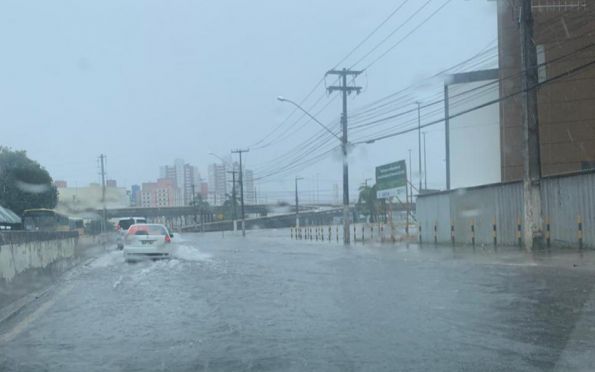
pixel 480 206
pixel 434 211
pixel 565 199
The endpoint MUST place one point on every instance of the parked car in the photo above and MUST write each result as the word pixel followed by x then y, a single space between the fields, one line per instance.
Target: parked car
pixel 122 228
pixel 147 241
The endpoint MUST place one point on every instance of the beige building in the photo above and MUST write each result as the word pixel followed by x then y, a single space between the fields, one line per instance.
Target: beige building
pixel 162 193
pixel 90 198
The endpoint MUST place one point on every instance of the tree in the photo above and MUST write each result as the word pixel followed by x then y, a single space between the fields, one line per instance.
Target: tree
pixel 229 206
pixel 24 184
pixel 200 205
pixel 367 204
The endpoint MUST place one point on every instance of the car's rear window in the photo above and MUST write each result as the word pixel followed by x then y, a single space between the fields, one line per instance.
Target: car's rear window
pixel 147 230
pixel 141 220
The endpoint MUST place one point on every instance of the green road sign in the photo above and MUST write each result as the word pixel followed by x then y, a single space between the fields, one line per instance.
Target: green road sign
pixel 391 180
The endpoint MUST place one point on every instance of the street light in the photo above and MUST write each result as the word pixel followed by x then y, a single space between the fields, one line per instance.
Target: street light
pixel 419 141
pixel 283 99
pixel 344 143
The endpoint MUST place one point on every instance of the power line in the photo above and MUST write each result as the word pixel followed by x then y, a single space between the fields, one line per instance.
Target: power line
pixel 488 84
pixel 411 17
pixel 426 20
pixel 557 77
pixel 371 33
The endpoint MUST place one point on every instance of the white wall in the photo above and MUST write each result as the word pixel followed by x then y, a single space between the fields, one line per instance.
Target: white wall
pixel 474 137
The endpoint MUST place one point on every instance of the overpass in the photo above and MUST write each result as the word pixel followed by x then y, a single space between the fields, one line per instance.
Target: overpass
pixel 173 212
pixel 190 218
pixel 307 217
pixel 324 217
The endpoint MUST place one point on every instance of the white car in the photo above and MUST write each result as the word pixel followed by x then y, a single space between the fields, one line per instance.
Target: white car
pixel 122 228
pixel 147 241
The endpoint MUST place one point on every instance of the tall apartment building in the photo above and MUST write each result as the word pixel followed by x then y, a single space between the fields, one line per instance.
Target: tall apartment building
pixel 162 193
pixel 249 191
pixel 183 177
pixel 217 184
pixel 564 38
pixel 135 196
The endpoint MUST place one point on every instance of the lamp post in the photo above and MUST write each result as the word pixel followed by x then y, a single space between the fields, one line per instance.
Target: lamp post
pixel 344 143
pixel 419 142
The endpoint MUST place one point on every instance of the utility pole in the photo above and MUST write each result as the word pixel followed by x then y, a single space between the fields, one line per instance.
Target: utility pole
pixel 345 89
pixel 408 195
pixel 233 197
pixel 447 135
pixel 410 178
pixel 532 218
pixel 297 205
pixel 193 202
pixel 104 221
pixel 419 141
pixel 425 165
pixel 241 189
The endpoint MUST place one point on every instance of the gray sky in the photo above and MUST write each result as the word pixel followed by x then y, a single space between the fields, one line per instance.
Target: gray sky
pixel 149 81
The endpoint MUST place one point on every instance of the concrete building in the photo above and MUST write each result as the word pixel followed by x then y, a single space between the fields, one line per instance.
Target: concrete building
pixel 183 177
pixel 474 136
pixel 60 184
pixel 90 197
pixel 249 191
pixel 135 196
pixel 217 183
pixel 162 193
pixel 566 110
pixel 204 190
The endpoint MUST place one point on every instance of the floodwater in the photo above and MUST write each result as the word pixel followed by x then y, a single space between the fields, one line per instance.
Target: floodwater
pixel 269 303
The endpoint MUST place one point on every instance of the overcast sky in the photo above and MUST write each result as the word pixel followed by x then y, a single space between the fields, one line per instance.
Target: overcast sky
pixel 146 82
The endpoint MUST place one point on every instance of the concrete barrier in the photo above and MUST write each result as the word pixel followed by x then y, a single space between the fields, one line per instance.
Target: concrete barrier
pixel 31 261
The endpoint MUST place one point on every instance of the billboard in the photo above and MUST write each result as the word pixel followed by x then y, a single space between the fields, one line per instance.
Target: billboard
pixel 391 180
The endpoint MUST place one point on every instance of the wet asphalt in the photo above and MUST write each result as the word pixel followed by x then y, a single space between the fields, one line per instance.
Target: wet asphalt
pixel 269 303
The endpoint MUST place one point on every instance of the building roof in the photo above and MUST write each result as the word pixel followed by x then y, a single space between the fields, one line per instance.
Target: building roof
pixel 473 76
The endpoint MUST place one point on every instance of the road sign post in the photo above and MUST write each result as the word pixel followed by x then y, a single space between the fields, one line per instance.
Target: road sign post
pixel 391 182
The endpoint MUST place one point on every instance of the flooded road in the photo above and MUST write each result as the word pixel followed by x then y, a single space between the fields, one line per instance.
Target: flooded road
pixel 268 303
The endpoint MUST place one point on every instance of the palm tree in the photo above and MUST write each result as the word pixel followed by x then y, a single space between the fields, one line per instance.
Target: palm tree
pixel 367 203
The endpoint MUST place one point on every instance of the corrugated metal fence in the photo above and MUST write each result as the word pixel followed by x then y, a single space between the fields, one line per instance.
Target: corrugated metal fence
pixel 493 213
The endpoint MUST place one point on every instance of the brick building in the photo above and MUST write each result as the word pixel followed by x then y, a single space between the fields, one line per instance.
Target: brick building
pixel 564 35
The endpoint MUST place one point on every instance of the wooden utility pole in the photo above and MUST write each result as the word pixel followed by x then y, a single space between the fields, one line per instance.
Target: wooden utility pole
pixel 532 217
pixel 345 89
